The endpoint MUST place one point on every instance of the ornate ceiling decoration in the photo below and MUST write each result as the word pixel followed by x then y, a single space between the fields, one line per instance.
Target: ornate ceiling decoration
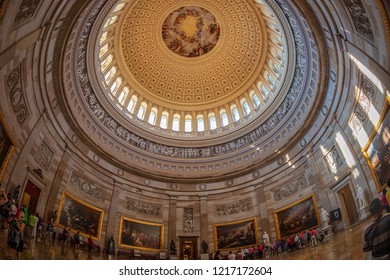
pixel 130 33
pixel 190 31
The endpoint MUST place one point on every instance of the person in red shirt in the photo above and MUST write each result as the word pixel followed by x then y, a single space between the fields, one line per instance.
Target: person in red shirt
pixel 314 237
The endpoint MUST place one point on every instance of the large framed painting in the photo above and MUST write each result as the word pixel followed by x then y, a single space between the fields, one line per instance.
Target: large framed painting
pixel 80 216
pixel 235 235
pixel 141 235
pixel 377 151
pixel 299 216
pixel 6 148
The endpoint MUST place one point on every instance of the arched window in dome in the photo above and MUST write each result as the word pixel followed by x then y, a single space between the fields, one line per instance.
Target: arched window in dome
pixel 110 74
pixel 255 99
pixel 264 90
pixel 110 21
pixel 142 110
pixel 276 68
pixel 188 124
pixel 245 106
pixel 164 120
pixel 115 86
pixel 103 50
pixel 212 121
pixel 131 105
pixel 224 118
pixel 277 54
pixel 200 123
pixel 119 7
pixel 123 95
pixel 153 116
pixel 235 113
pixel 271 79
pixel 176 122
pixel 106 62
pixel 103 37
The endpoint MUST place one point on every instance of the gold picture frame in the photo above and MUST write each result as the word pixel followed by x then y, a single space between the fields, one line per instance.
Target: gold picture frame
pixel 377 152
pixel 141 235
pixel 237 234
pixel 299 216
pixel 6 147
pixel 80 216
pixel 3 6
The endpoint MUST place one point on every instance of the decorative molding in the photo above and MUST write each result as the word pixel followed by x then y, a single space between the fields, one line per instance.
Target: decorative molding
pixel 87 187
pixel 26 10
pixel 363 106
pixel 44 156
pixel 188 219
pixel 17 94
pixel 145 208
pixel 360 18
pixel 234 208
pixel 291 188
pixel 333 160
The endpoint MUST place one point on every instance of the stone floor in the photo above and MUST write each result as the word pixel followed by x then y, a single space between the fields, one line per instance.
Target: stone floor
pixel 344 245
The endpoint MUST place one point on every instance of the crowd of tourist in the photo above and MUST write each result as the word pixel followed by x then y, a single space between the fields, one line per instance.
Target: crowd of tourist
pixel 292 243
pixel 22 227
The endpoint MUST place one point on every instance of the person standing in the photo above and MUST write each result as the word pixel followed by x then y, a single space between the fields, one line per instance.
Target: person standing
pixel 384 201
pixel 313 237
pixel 377 235
pixel 15 240
pixel 231 256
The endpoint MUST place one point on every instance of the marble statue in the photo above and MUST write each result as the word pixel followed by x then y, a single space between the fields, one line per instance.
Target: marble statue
pixel 266 239
pixel 324 218
pixel 172 247
pixel 360 197
pixel 205 247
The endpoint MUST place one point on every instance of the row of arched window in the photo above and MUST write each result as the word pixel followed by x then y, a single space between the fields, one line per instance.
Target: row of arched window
pixel 133 104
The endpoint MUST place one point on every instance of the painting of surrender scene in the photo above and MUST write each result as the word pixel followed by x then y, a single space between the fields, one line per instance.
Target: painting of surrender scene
pixel 141 235
pixel 236 234
pixel 80 216
pixel 377 153
pixel 299 216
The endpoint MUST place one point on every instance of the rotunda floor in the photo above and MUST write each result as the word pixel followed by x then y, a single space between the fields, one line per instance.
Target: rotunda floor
pixel 344 245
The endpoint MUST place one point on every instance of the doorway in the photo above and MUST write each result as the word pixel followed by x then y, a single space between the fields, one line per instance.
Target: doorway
pixel 188 248
pixel 31 197
pixel 347 206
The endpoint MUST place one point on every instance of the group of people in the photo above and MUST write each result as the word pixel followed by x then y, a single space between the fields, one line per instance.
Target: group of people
pixel 377 235
pixel 268 249
pixel 14 219
pixel 23 226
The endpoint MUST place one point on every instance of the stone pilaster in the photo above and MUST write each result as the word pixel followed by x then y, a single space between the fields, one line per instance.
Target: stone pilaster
pixel 56 184
pixel 172 221
pixel 204 220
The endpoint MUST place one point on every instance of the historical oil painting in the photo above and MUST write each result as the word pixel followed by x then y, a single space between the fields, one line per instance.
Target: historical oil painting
pixel 235 234
pixel 377 153
pixel 300 216
pixel 6 148
pixel 141 235
pixel 80 216
pixel 190 31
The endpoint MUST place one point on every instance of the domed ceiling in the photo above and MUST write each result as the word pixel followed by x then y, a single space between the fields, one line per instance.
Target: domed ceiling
pixel 191 90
